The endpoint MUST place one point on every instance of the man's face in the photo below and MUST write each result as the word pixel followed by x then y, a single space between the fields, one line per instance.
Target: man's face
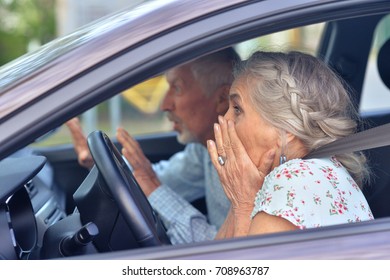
pixel 191 111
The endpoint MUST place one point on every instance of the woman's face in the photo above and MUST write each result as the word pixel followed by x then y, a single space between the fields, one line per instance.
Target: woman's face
pixel 257 136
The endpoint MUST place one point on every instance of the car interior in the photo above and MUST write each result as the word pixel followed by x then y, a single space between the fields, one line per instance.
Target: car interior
pixel 378 191
pixel 71 190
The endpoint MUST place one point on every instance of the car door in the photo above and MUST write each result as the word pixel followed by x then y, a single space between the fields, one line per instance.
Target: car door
pixel 213 31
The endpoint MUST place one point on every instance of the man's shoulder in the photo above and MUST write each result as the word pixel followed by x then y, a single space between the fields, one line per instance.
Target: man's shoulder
pixel 193 152
pixel 195 148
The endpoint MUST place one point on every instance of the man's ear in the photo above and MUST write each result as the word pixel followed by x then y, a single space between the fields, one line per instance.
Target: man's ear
pixel 222 99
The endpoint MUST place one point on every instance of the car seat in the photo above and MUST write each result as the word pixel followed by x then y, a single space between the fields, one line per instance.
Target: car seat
pixel 377 191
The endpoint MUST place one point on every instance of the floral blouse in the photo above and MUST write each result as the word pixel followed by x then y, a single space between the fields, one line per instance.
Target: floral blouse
pixel 312 193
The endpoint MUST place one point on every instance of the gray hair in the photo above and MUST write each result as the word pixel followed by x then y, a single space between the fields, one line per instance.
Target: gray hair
pixel 300 94
pixel 215 69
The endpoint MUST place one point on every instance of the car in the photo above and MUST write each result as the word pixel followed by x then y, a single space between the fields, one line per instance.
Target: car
pixel 72 74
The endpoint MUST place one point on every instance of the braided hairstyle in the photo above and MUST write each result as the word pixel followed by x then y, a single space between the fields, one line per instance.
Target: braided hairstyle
pixel 300 94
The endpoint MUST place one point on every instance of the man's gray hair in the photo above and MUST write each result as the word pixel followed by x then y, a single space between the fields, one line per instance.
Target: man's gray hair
pixel 214 70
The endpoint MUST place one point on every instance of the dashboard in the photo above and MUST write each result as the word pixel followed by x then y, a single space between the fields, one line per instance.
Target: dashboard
pixel 27 206
pixel 111 212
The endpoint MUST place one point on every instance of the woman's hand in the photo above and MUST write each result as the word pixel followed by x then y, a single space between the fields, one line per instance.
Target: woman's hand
pixel 142 168
pixel 240 177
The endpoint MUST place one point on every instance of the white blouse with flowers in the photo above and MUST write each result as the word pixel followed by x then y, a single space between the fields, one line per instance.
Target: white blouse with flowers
pixel 312 193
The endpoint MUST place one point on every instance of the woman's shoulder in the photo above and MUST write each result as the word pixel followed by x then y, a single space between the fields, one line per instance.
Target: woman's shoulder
pixel 312 192
pixel 302 168
pixel 298 168
pixel 313 177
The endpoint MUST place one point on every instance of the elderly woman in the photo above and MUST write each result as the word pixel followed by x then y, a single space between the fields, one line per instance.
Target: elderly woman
pixel 282 107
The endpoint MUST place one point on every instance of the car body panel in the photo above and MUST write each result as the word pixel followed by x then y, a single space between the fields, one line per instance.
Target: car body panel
pixel 132 47
pixel 366 240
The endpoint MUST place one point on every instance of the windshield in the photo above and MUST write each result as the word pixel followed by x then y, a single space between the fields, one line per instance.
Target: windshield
pixel 31 62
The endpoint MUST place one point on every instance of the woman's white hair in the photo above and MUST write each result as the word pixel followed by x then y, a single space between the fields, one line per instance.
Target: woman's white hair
pixel 300 94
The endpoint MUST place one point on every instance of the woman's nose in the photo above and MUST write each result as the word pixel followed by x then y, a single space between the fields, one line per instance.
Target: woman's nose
pixel 227 115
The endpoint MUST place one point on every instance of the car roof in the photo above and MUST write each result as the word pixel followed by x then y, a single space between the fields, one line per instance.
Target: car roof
pixel 67 57
pixel 61 79
pixel 62 84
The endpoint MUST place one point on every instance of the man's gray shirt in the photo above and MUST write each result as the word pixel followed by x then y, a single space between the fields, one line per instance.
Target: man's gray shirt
pixel 185 177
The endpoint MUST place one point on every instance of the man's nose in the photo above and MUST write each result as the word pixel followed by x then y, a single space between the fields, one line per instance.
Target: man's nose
pixel 167 103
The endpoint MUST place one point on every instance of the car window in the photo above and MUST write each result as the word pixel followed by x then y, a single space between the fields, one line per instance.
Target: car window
pixel 306 39
pixel 375 95
pixel 138 108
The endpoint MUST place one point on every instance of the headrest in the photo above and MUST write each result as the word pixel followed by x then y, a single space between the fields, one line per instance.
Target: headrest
pixel 383 63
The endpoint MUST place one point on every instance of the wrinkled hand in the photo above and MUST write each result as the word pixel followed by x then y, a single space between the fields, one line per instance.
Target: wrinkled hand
pixel 80 143
pixel 142 168
pixel 240 177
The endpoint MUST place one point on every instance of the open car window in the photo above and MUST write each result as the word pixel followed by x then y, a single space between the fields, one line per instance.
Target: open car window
pixel 375 94
pixel 137 109
pixel 125 89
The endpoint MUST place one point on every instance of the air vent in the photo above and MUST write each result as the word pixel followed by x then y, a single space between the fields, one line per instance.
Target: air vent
pixel 32 191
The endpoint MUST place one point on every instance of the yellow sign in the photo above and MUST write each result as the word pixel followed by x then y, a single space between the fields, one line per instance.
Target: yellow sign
pixel 147 95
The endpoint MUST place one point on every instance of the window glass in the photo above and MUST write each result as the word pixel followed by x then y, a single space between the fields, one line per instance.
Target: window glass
pixel 138 109
pixel 375 95
pixel 304 39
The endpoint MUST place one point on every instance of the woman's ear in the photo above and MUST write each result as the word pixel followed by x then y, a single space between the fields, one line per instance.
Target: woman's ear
pixel 289 137
pixel 222 99
pixel 284 140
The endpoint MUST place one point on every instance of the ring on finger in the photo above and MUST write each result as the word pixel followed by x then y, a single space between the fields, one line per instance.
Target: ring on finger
pixel 221 160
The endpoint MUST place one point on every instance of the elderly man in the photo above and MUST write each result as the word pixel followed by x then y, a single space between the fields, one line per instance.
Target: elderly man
pixel 198 93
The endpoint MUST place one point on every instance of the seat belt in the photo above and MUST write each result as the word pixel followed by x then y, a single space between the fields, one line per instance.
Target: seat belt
pixel 368 139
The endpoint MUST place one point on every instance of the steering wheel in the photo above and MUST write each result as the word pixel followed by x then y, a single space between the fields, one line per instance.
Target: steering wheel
pixel 134 207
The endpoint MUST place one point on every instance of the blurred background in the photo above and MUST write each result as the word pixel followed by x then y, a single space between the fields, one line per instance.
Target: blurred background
pixel 27 24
